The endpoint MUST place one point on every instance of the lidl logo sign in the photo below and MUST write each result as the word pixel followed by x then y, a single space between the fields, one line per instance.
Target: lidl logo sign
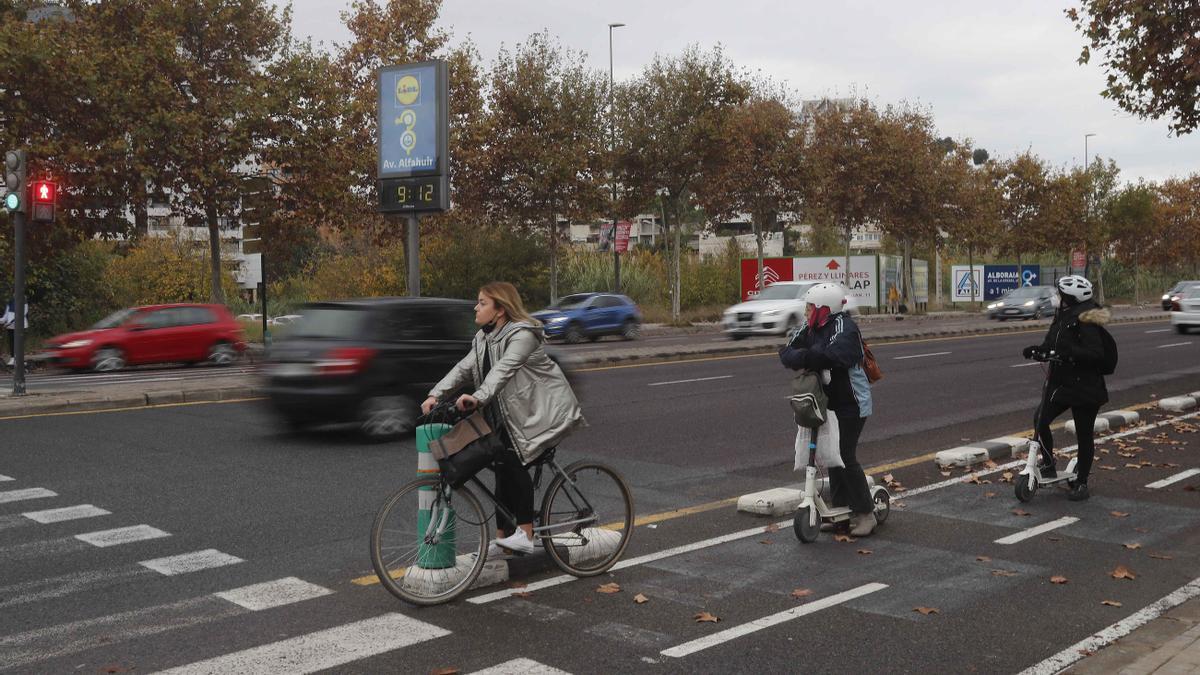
pixel 408 90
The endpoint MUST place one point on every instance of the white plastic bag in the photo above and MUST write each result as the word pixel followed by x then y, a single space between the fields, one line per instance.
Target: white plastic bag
pixel 829 449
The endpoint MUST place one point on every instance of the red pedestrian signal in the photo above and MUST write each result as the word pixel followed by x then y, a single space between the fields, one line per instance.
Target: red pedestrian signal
pixel 44 192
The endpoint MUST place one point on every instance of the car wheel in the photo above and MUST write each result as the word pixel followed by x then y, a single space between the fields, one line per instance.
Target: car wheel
pixel 222 354
pixel 108 359
pixel 631 330
pixel 574 334
pixel 1001 319
pixel 790 325
pixel 1181 329
pixel 736 336
pixel 1037 314
pixel 386 417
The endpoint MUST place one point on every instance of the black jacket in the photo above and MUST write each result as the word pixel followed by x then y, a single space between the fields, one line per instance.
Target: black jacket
pixel 1074 336
pixel 836 347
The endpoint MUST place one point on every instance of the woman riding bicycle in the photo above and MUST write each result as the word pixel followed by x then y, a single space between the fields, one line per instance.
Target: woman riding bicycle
pixel 525 397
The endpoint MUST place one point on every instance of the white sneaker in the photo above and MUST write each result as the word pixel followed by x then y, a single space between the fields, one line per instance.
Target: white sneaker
pixel 518 542
pixel 497 552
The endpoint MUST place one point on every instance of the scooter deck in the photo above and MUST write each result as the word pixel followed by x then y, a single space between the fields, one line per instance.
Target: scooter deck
pixel 1060 478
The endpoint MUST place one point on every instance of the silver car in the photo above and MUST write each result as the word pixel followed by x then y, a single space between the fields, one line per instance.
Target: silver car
pixel 1026 302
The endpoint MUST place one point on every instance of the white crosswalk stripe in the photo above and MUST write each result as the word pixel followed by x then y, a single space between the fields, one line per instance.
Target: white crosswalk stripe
pixel 4 478
pixel 67 513
pixel 121 535
pixel 190 562
pixel 521 667
pixel 273 593
pixel 10 496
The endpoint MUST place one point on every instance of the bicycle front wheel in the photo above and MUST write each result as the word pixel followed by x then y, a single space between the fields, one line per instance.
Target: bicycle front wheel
pixel 428 542
pixel 587 518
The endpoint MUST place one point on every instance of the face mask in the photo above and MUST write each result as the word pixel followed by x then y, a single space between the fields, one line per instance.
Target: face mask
pixel 1056 301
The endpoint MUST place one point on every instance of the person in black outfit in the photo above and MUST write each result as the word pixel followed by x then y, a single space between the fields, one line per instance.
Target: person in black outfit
pixel 1075 347
pixel 830 341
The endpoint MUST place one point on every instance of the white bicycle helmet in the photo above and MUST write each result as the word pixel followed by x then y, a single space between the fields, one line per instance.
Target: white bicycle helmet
pixel 826 295
pixel 1077 287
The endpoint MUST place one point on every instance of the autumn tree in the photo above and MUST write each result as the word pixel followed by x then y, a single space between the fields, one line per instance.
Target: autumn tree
pixel 1179 209
pixel 1136 228
pixel 1151 54
pixel 971 219
pixel 546 141
pixel 670 122
pixel 761 172
pixel 1022 182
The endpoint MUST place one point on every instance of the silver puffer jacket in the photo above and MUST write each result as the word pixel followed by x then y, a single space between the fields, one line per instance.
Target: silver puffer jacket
pixel 531 392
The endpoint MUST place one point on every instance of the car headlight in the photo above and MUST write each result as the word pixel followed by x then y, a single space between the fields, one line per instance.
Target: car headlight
pixel 994 305
pixel 557 319
pixel 75 344
pixel 1166 296
pixel 1030 303
pixel 771 312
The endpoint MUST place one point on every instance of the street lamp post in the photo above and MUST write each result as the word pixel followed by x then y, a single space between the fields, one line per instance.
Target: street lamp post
pixel 612 137
pixel 1087 209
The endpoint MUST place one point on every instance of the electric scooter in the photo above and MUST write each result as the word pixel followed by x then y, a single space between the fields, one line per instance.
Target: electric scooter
pixel 813 510
pixel 1026 484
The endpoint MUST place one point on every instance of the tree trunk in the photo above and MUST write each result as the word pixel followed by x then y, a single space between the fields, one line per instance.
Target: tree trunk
pixel 141 221
pixel 758 238
pixel 909 299
pixel 214 254
pixel 675 302
pixel 1137 296
pixel 937 253
pixel 846 267
pixel 553 259
pixel 1100 276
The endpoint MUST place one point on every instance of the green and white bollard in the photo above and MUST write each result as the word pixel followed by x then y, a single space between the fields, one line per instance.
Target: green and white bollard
pixel 441 554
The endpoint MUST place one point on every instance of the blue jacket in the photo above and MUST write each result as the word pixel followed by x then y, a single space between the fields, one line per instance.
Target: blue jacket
pixel 836 347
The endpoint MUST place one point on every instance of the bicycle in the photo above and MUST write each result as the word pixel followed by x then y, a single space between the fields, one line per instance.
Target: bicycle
pixel 429 541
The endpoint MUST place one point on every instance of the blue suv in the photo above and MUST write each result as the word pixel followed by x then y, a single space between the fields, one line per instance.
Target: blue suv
pixel 591 315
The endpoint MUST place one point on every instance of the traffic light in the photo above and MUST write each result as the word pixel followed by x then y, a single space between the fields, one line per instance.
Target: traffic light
pixel 15 169
pixel 45 196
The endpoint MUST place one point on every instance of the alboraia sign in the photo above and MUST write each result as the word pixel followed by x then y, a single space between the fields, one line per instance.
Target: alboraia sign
pixel 863 282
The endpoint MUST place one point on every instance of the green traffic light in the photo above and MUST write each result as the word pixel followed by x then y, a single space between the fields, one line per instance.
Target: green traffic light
pixel 12 201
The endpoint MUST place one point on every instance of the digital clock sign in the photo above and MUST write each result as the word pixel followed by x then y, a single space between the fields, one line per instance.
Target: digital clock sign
pixel 423 193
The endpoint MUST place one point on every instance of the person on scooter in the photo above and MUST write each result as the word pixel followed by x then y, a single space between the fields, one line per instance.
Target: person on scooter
pixel 1074 346
pixel 830 340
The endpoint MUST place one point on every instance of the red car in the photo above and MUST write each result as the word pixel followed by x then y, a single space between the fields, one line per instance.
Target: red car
pixel 154 334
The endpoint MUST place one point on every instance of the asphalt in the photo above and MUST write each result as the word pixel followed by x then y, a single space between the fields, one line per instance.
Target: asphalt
pixel 220 476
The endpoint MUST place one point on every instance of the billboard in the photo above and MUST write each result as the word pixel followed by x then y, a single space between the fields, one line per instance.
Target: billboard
pixel 966 283
pixel 413 118
pixel 863 282
pixel 991 281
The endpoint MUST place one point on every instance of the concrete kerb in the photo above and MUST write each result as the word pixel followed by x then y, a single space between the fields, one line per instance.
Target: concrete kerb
pixel 1109 421
pixel 1180 403
pixel 981 452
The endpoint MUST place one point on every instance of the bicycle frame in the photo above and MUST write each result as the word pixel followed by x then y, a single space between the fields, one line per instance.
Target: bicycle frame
pixel 542 531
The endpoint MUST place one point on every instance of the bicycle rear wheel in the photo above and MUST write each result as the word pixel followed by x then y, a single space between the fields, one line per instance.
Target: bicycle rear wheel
pixel 587 518
pixel 428 542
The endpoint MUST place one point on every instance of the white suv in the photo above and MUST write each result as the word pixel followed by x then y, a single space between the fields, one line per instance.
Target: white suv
pixel 1188 314
pixel 774 311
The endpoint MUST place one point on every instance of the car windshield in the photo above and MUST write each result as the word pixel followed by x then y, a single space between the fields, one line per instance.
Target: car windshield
pixel 1024 292
pixel 113 320
pixel 328 322
pixel 781 292
pixel 570 302
pixel 1191 293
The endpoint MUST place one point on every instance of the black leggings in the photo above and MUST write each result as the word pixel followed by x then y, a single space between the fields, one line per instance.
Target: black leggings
pixel 514 491
pixel 848 486
pixel 1085 422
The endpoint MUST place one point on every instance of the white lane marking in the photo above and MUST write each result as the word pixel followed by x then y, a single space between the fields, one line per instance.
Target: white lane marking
pixel 1173 479
pixel 1035 531
pixel 27 493
pixel 919 356
pixel 728 634
pixel 68 584
pixel 521 667
pixel 4 478
pixel 121 535
pixel 1025 365
pixel 1159 330
pixel 270 594
pixel 1174 344
pixel 698 379
pixel 323 649
pixel 640 560
pixel 67 513
pixel 1120 629
pixel 190 562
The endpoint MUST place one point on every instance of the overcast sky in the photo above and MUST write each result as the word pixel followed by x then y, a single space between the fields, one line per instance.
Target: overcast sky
pixel 1001 73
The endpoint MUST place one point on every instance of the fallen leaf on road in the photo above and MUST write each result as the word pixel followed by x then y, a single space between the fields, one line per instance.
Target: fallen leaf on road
pixel 1020 512
pixel 945 474
pixel 640 599
pixel 1053 538
pixel 1003 573
pixel 1118 514
pixel 864 551
pixel 523 594
pixel 1140 529
pixel 445 671
pixel 1160 556
pixel 991 464
pixel 801 593
pixel 609 588
pixel 1007 476
pixel 516 584
pixel 120 669
pixel 1133 466
pixel 888 478
pixel 1133 547
pixel 989 495
pixel 1190 488
pixel 1123 572
pixel 1111 603
pixel 1107 468
pixel 1058 579
pixel 926 610
pixel 705 617
pixel 766 541
pixel 974 480
pixel 773 527
pixel 982 558
pixel 844 538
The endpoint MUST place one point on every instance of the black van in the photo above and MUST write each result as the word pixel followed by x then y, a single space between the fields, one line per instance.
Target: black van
pixel 369 362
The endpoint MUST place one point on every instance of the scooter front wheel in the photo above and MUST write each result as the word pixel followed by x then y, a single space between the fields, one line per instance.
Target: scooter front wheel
pixel 806 530
pixel 883 503
pixel 1023 488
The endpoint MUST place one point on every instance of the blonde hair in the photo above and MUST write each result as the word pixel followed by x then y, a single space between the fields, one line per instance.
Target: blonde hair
pixel 508 298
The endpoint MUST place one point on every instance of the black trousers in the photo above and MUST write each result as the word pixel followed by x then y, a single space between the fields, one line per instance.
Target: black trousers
pixel 1085 421
pixel 848 486
pixel 514 491
pixel 11 334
